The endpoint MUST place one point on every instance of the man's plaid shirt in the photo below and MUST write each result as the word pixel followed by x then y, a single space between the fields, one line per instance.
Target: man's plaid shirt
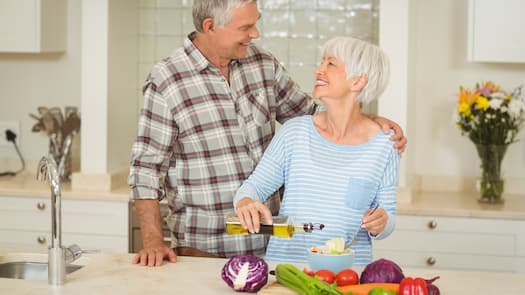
pixel 206 136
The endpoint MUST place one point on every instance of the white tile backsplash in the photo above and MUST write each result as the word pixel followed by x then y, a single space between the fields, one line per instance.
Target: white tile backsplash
pixel 277 4
pixel 304 75
pixel 303 24
pixel 331 4
pixel 304 51
pixel 292 30
pixel 332 23
pixel 169 22
pixel 166 45
pixel 275 23
pixel 147 21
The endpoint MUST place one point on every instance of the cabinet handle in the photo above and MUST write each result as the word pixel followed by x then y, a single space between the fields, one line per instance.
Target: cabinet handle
pixel 41 240
pixel 432 224
pixel 431 261
pixel 41 205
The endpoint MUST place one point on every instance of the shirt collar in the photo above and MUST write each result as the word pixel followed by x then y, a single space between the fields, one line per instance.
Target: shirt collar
pixel 199 60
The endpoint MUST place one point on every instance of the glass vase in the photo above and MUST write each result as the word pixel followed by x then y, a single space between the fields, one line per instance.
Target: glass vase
pixel 491 184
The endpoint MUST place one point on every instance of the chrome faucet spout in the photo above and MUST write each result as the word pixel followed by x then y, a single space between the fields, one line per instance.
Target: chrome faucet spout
pixel 58 256
pixel 47 169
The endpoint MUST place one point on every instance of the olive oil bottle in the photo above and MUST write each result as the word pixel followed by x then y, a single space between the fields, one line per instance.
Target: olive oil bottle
pixel 281 227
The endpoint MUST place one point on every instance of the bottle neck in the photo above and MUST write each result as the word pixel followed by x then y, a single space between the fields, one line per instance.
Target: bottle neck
pixel 308 227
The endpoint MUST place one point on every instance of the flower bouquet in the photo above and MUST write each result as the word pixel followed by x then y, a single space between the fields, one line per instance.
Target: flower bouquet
pixel 491 118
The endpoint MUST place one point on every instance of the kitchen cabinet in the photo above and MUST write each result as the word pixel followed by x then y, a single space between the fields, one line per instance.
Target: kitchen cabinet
pixel 91 224
pixel 32 26
pixel 461 243
pixel 495 31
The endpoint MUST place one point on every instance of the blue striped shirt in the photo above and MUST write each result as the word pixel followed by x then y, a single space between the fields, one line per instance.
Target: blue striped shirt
pixel 325 183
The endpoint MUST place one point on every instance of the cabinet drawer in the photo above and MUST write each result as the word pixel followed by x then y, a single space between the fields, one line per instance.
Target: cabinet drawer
pixel 34 214
pixel 455 224
pixel 450 242
pixel 25 214
pixel 102 225
pixel 31 239
pixel 105 218
pixel 440 260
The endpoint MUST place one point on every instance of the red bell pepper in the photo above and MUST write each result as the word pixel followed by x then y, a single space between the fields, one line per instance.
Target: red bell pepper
pixel 413 286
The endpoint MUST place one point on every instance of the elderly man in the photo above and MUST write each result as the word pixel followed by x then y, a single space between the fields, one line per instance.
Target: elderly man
pixel 209 113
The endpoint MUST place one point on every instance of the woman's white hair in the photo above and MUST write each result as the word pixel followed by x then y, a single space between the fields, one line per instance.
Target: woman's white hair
pixel 221 11
pixel 361 59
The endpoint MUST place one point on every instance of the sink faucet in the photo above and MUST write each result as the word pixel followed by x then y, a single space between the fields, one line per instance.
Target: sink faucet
pixel 58 256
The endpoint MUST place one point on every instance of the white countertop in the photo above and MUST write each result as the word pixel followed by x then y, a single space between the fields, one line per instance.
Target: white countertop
pixel 452 204
pixel 462 204
pixel 106 273
pixel 26 185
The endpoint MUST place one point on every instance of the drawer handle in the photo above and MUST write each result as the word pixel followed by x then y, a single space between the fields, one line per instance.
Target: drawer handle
pixel 431 261
pixel 432 224
pixel 41 240
pixel 41 205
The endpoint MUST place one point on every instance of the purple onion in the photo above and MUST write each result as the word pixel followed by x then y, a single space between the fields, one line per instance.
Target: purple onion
pixel 245 273
pixel 431 288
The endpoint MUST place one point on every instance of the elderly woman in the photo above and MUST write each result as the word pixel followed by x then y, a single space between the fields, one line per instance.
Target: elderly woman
pixel 335 165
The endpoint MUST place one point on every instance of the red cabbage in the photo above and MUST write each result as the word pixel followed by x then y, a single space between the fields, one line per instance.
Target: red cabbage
pixel 382 271
pixel 245 273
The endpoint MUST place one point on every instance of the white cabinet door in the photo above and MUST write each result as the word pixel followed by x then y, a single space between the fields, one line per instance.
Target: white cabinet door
pixel 455 243
pixel 30 26
pixel 93 225
pixel 496 31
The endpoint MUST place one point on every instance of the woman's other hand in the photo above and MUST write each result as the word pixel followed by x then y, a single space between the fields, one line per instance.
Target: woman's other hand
pixel 387 125
pixel 250 212
pixel 375 223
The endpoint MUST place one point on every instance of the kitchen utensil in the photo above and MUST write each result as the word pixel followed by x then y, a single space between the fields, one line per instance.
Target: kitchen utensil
pixel 39 125
pixel 42 110
pixel 71 124
pixel 70 127
pixel 354 238
pixel 49 122
pixel 57 114
pixel 65 154
pixel 70 110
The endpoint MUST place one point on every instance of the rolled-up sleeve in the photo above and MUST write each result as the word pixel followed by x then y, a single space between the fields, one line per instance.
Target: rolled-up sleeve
pixel 153 146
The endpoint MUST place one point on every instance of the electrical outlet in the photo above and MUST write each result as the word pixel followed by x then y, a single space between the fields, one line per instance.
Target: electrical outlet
pixel 13 126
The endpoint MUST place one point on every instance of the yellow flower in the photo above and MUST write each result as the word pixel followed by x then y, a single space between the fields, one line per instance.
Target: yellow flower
pixel 464 109
pixel 482 103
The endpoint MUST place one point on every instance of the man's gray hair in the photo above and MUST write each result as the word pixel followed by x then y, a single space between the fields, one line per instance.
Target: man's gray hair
pixel 361 59
pixel 221 11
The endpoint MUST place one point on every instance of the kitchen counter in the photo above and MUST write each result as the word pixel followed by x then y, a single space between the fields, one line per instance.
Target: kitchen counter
pixel 462 204
pixel 451 204
pixel 26 185
pixel 114 274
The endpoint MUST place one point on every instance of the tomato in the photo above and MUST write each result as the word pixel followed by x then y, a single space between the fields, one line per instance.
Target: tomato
pixel 347 277
pixel 325 275
pixel 308 271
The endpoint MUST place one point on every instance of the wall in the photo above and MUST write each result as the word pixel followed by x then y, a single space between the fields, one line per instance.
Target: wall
pixel 440 67
pixel 109 70
pixel 31 80
pixel 292 30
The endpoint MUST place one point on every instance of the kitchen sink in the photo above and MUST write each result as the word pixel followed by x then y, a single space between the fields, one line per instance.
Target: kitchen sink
pixel 26 270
